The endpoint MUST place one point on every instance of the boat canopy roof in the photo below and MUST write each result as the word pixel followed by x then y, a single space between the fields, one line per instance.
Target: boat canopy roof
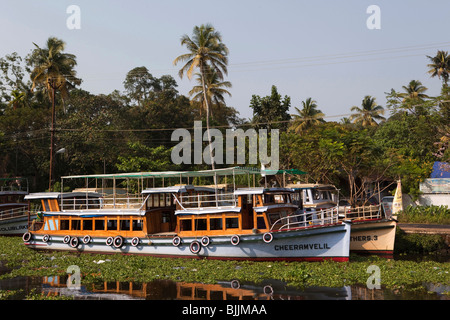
pixel 177 189
pixel 311 186
pixel 183 174
pixel 261 190
pixel 58 195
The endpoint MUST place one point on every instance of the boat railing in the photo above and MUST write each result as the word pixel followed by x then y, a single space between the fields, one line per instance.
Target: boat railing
pixel 126 202
pixel 303 219
pixel 13 213
pixel 208 200
pixel 364 213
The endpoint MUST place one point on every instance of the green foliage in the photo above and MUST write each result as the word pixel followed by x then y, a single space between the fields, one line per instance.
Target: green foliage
pixel 418 243
pixel 143 158
pixel 425 214
pixel 97 268
pixel 270 109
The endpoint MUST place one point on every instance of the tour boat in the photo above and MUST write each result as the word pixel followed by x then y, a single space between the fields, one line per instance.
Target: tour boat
pixel 13 208
pixel 190 222
pixel 372 227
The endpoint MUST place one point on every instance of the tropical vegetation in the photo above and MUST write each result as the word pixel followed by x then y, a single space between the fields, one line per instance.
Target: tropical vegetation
pixel 43 104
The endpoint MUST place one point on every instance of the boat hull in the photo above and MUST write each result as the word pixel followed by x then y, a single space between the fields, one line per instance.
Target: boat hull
pixel 309 244
pixel 15 226
pixel 373 237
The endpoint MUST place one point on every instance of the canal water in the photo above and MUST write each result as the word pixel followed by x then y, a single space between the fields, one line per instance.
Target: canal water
pixel 234 290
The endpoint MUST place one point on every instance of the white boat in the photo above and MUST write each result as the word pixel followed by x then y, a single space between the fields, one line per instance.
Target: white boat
pixel 191 222
pixel 13 209
pixel 372 227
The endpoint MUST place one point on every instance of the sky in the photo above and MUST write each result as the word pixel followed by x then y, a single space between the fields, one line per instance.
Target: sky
pixel 319 49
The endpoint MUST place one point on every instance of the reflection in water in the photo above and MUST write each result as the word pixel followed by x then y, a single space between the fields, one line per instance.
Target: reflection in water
pixel 234 290
pixel 167 289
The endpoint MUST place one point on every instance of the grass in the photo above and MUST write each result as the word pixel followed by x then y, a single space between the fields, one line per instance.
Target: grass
pixel 95 268
pixel 425 214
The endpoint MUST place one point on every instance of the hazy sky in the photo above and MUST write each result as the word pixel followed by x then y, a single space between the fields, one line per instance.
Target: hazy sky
pixel 318 49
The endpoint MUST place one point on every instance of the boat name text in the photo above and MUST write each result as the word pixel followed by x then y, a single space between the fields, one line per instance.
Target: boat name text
pixel 308 246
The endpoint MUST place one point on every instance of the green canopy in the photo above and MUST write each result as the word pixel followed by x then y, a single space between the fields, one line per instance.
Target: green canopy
pixel 184 174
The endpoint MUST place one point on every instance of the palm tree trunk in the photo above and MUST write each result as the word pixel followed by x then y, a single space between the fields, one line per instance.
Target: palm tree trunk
pixel 52 134
pixel 207 118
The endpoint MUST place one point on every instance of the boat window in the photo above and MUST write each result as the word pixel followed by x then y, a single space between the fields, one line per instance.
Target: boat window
pixel 111 224
pixel 165 217
pixel 215 224
pixel 232 223
pixel 124 224
pixel 99 224
pixel 64 224
pixel 186 225
pixel 306 195
pixel 261 223
pixel 46 206
pixel 155 200
pixel 273 217
pixel 200 224
pixel 76 224
pixel 137 225
pixel 316 195
pixel 87 224
pixel 169 200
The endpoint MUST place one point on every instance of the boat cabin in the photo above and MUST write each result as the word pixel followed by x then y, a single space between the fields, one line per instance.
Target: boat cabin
pixel 244 211
pixel 183 210
pixel 316 196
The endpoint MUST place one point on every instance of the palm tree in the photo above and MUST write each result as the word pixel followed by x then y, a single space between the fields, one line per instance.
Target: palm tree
pixel 54 70
pixel 369 112
pixel 307 117
pixel 414 91
pixel 18 98
pixel 215 90
pixel 440 66
pixel 206 52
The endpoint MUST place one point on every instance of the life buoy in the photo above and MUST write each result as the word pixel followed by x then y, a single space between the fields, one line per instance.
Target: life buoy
pixel 86 239
pixel 118 242
pixel 74 242
pixel 27 236
pixel 135 241
pixel 46 238
pixel 195 247
pixel 268 237
pixel 176 241
pixel 109 241
pixel 235 240
pixel 235 284
pixel 66 239
pixel 205 241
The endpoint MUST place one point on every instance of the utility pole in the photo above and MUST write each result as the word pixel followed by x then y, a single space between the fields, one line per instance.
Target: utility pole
pixel 52 85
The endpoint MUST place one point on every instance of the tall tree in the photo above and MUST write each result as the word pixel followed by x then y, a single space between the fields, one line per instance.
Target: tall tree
pixel 54 70
pixel 440 66
pixel 139 83
pixel 271 111
pixel 215 90
pixel 307 117
pixel 206 52
pixel 368 113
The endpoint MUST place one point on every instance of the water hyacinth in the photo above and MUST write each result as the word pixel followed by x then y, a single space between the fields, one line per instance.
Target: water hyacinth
pixel 407 275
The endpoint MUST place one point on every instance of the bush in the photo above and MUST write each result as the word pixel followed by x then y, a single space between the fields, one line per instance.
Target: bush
pixel 425 214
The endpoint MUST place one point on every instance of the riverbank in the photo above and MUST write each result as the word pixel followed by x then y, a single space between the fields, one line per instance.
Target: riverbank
pixel 17 261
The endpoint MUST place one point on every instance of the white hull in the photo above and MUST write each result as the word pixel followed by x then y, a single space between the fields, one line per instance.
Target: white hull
pixel 15 226
pixel 314 243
